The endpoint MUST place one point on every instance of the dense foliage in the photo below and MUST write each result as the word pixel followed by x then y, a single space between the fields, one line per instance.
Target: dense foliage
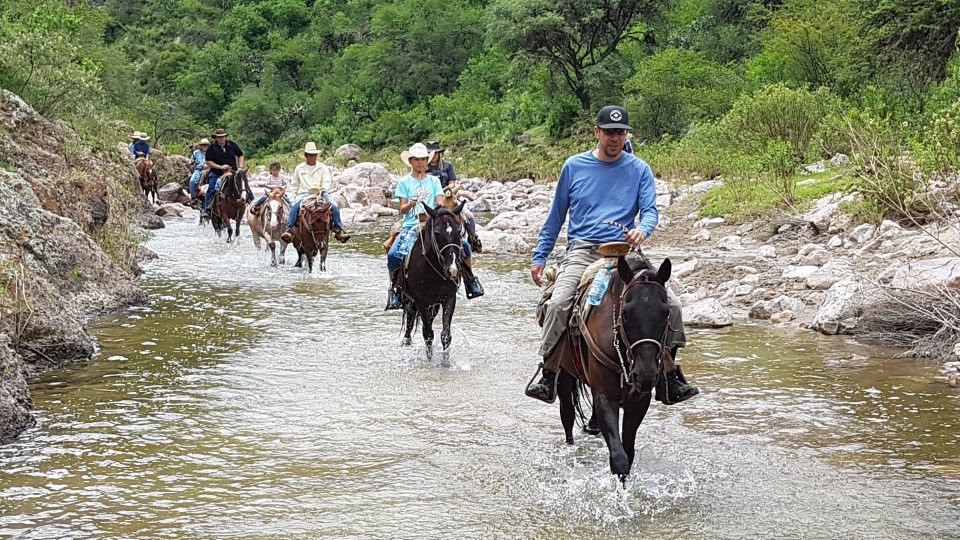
pixel 741 87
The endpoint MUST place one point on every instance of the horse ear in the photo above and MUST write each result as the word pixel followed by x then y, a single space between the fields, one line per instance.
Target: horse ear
pixel 459 208
pixel 663 273
pixel 433 213
pixel 623 267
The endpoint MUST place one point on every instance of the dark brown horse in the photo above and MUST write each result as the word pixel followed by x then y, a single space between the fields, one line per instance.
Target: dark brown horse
pixel 432 277
pixel 229 204
pixel 148 179
pixel 620 354
pixel 311 234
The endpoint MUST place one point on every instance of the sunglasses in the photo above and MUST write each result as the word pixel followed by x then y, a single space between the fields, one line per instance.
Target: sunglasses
pixel 612 132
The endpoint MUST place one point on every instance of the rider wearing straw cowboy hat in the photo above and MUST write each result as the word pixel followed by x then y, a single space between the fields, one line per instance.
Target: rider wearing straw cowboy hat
pixel 415 190
pixel 139 145
pixel 310 179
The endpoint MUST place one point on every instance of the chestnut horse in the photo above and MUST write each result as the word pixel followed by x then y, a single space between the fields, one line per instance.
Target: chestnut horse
pixel 148 179
pixel 269 224
pixel 228 203
pixel 311 234
pixel 622 345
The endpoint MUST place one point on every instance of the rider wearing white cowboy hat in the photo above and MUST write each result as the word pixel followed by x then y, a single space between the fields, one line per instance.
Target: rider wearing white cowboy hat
pixel 139 145
pixel 312 178
pixel 415 190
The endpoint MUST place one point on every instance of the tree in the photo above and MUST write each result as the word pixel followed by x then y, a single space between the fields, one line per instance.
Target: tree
pixel 572 35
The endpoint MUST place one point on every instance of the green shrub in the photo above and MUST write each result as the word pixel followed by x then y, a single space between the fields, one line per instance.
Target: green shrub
pixel 776 112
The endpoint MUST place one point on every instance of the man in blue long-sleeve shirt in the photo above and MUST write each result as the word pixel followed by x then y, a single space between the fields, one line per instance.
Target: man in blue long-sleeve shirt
pixel 603 184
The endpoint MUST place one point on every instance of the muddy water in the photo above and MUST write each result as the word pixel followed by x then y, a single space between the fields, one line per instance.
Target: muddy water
pixel 249 402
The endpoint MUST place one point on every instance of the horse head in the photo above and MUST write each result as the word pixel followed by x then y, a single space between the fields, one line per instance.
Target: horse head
pixel 643 317
pixel 442 236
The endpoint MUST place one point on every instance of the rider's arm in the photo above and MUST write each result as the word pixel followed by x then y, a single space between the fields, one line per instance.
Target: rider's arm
pixel 451 174
pixel 647 202
pixel 555 219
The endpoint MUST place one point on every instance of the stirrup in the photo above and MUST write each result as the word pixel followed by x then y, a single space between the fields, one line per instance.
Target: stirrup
pixel 470 293
pixel 552 398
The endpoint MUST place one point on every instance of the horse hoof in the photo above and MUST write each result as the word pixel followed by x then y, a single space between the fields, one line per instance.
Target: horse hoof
pixel 569 441
pixel 623 479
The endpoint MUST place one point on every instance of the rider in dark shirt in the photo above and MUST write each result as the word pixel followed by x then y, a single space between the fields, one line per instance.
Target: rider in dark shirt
pixel 443 170
pixel 223 156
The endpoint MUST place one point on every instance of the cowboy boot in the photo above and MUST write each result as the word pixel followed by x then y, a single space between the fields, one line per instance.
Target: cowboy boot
pixel 393 295
pixel 340 234
pixel 673 388
pixel 546 388
pixel 471 283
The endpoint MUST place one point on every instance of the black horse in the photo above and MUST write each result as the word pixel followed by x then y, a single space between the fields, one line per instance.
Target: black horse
pixel 229 204
pixel 623 351
pixel 432 276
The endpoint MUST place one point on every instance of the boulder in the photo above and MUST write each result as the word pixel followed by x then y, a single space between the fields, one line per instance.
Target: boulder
pixel 665 200
pixel 834 242
pixel 764 309
pixel 782 317
pixel 861 234
pixel 941 272
pixel 349 151
pixel 685 268
pixel 707 313
pixel 705 186
pixel 353 195
pixel 840 160
pixel 365 175
pixel 502 242
pixel 149 221
pixel 702 235
pixel 376 195
pixel 798 272
pixel 172 210
pixel 173 193
pixel 357 215
pixel 508 221
pixel 380 210
pixel 841 308
pixel 709 222
pixel 729 243
pixel 817 167
pixel 767 252
pixel 824 277
pixel 812 255
pixel 478 205
pixel 823 212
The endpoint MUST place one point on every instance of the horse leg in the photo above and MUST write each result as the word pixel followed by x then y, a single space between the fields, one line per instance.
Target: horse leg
pixel 609 416
pixel 310 257
pixel 566 386
pixel 323 256
pixel 410 315
pixel 283 252
pixel 427 317
pixel 299 257
pixel 446 337
pixel 229 230
pixel 633 414
pixel 273 252
pixel 592 427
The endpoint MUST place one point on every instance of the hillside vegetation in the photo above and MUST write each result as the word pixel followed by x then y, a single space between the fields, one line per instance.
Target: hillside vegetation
pixel 749 89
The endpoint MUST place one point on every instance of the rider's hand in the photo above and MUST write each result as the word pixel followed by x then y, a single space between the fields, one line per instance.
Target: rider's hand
pixel 635 237
pixel 536 272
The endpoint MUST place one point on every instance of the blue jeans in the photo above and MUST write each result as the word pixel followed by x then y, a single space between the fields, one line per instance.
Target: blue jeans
pixel 404 243
pixel 263 199
pixel 334 209
pixel 194 183
pixel 213 184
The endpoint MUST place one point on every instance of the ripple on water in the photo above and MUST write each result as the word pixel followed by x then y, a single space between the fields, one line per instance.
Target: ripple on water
pixel 249 401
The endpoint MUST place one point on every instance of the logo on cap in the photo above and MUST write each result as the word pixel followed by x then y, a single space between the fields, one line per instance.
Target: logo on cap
pixel 616 115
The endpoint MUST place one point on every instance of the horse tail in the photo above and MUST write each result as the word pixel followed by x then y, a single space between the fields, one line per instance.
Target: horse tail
pixel 580 395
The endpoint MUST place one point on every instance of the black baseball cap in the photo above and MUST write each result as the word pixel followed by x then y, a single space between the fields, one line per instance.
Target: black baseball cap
pixel 612 117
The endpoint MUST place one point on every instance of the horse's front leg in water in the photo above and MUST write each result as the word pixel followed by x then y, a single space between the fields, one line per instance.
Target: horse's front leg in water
pixel 633 413
pixel 609 417
pixel 427 316
pixel 446 336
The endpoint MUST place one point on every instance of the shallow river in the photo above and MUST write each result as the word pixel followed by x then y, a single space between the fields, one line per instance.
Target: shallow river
pixel 251 402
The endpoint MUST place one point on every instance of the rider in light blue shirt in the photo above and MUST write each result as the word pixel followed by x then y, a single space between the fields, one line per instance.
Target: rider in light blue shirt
pixel 199 161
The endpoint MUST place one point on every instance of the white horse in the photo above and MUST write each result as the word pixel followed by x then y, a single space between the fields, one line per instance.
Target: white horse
pixel 270 224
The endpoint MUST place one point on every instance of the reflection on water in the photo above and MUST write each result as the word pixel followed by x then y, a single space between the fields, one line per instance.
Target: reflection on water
pixel 250 402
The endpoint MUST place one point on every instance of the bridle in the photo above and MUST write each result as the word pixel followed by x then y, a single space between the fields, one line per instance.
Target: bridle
pixel 620 333
pixel 432 248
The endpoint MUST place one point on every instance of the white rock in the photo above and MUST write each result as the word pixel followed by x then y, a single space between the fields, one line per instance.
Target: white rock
pixel 817 167
pixel 350 151
pixel 823 212
pixel 743 269
pixel 508 221
pixel 750 279
pixel 702 235
pixel 729 243
pixel 707 313
pixel 685 268
pixel 767 252
pixel 380 210
pixel 834 242
pixel 782 317
pixel 841 308
pixel 664 200
pixel 861 233
pixel 478 205
pixel 832 272
pixel 798 272
pixel 940 272
pixel 365 175
pixel 502 242
pixel 840 160
pixel 889 229
pixel 709 222
pixel 357 215
pixel 764 309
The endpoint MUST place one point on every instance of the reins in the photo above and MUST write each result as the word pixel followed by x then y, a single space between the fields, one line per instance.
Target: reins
pixel 437 251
